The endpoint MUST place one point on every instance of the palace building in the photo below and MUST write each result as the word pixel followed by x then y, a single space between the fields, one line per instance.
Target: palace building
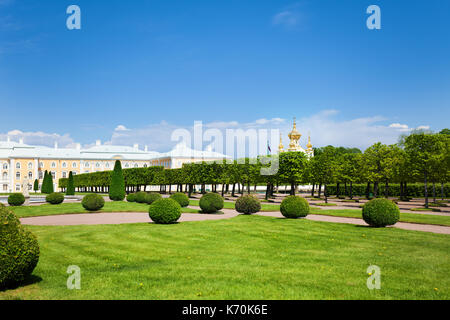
pixel 294 146
pixel 21 163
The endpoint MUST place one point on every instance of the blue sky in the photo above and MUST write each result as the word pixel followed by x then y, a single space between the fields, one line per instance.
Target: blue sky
pixel 137 70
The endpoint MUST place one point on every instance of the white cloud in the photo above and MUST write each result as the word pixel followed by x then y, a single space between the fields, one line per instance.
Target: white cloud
pixel 120 128
pixel 286 18
pixel 39 138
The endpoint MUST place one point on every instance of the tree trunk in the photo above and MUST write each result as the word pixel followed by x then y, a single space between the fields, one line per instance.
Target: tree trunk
pixel 351 190
pixel 426 191
pixel 267 191
pixel 248 187
pixel 312 190
pixel 325 193
pixel 338 191
pixel 292 189
pixel 233 189
pixel 442 191
pixel 375 189
pixel 320 190
pixel 434 192
pixel 368 190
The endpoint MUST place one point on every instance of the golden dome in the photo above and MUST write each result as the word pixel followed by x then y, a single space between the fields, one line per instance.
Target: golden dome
pixel 309 145
pixel 281 147
pixel 294 134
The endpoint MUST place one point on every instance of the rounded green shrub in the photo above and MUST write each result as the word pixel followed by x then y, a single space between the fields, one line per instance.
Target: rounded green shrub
pixel 165 211
pixel 131 197
pixel 93 202
pixel 19 250
pixel 294 207
pixel 211 202
pixel 16 199
pixel 152 197
pixel 55 198
pixel 380 213
pixel 141 197
pixel 248 204
pixel 181 198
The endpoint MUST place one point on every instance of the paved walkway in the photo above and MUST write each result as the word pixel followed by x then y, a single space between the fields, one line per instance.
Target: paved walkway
pixel 142 217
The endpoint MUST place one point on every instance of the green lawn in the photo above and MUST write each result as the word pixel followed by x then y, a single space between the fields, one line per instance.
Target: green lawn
pixel 247 257
pixel 122 206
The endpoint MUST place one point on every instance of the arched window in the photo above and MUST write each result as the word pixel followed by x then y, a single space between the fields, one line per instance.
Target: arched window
pixel 30 175
pixel 97 164
pixel 86 164
pixel 5 166
pixel 136 165
pixel 17 175
pixel 5 176
pixel 64 165
pixel 30 165
pixel 41 164
pixel 145 165
pixel 53 164
pixel 74 165
pixel 127 165
pixel 107 165
pixel 18 165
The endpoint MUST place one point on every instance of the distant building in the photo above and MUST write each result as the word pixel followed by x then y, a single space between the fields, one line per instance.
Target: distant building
pixel 20 162
pixel 294 146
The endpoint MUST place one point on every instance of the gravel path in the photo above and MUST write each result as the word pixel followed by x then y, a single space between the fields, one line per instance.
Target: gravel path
pixel 142 217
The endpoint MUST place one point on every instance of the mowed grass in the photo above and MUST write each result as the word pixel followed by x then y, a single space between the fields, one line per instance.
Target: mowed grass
pixel 122 206
pixel 77 208
pixel 247 257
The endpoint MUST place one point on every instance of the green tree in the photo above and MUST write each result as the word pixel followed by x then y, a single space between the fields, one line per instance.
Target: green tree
pixel 423 150
pixel 117 187
pixel 292 168
pixel 36 185
pixel 70 190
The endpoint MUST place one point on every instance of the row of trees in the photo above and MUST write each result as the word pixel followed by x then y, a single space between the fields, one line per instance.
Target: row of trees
pixel 418 157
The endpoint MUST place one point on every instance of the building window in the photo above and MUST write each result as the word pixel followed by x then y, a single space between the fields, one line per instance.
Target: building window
pixel 145 165
pixel 41 174
pixel 5 166
pixel 41 164
pixel 5 187
pixel 30 175
pixel 17 175
pixel 30 165
pixel 136 165
pixel 97 164
pixel 5 176
pixel 86 164
pixel 17 187
pixel 107 165
pixel 64 165
pixel 74 173
pixel 53 164
pixel 64 174
pixel 127 165
pixel 74 165
pixel 54 174
pixel 18 165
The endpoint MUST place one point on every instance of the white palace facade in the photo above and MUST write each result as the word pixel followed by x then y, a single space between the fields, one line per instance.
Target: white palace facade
pixel 21 163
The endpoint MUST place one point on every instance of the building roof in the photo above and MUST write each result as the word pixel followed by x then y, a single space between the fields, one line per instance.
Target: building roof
pixel 10 149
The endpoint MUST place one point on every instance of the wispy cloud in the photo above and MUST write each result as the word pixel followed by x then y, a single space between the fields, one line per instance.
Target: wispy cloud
pixel 286 18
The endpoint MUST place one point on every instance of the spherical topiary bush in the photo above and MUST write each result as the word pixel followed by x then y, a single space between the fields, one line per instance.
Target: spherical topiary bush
pixel 16 199
pixel 141 196
pixel 181 198
pixel 152 197
pixel 93 202
pixel 248 204
pixel 294 207
pixel 55 198
pixel 211 203
pixel 131 197
pixel 165 211
pixel 380 213
pixel 19 250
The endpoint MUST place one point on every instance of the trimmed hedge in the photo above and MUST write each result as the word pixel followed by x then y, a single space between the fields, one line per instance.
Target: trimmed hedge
pixel 152 197
pixel 413 189
pixel 380 213
pixel 55 198
pixel 131 197
pixel 117 187
pixel 211 202
pixel 165 211
pixel 19 250
pixel 141 197
pixel 16 199
pixel 93 202
pixel 181 198
pixel 248 204
pixel 294 207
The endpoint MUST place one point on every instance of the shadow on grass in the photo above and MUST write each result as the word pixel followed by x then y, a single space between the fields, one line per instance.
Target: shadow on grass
pixel 32 279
